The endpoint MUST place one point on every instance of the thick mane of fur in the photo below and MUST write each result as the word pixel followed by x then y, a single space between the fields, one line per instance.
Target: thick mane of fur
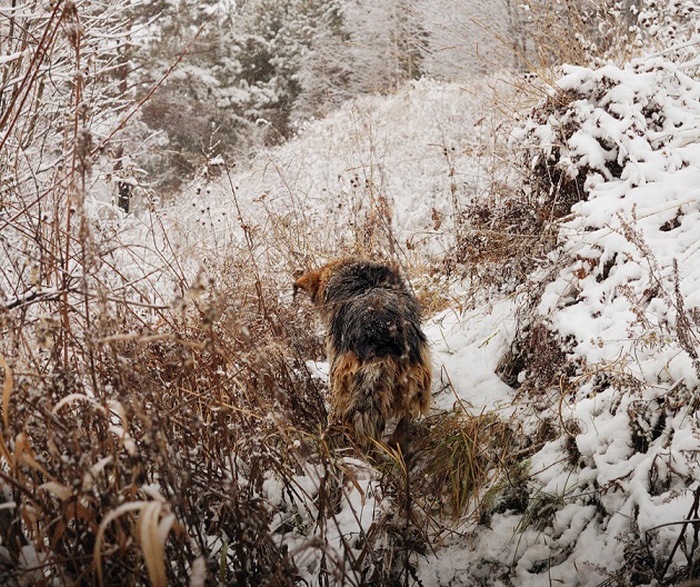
pixel 356 277
pixel 373 315
pixel 379 358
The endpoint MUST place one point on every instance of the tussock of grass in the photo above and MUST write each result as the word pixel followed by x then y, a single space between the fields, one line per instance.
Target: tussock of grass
pixel 461 453
pixel 169 433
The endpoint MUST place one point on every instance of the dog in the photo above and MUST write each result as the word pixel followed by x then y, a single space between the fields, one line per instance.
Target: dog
pixel 380 367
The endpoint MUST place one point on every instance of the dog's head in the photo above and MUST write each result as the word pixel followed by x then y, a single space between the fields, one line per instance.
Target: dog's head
pixel 316 282
pixel 311 283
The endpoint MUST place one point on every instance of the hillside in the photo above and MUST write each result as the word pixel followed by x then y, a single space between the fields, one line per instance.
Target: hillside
pixel 603 353
pixel 164 396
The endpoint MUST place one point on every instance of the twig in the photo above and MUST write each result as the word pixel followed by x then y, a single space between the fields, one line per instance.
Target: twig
pixel 691 518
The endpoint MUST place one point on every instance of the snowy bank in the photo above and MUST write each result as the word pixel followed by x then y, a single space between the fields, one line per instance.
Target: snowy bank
pixel 609 490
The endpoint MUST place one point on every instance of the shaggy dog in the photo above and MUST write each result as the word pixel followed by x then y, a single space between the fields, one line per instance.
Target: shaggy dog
pixel 379 358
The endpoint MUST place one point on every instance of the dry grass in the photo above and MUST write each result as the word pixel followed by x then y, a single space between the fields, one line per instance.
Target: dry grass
pixel 463 453
pixel 141 430
pixel 167 434
pixel 543 35
pixel 138 436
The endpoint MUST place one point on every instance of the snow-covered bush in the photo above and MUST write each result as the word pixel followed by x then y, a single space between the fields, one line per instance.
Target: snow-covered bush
pixel 618 308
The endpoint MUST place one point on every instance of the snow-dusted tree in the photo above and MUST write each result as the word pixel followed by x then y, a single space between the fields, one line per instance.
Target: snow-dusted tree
pixel 359 47
pixel 235 83
pixel 249 70
pixel 464 37
pixel 384 45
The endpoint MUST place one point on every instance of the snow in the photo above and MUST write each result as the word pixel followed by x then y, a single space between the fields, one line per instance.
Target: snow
pixel 462 341
pixel 620 295
pixel 624 258
pixel 622 279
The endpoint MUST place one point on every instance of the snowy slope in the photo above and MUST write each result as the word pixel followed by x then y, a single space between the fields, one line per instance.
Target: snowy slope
pixel 619 476
pixel 404 151
pixel 412 158
pixel 618 298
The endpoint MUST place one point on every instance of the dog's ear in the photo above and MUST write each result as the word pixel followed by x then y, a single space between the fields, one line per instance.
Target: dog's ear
pixel 310 283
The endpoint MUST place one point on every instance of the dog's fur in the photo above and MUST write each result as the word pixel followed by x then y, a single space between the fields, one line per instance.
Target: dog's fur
pixel 379 359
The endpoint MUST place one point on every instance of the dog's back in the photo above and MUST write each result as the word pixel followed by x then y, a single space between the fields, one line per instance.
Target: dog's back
pixel 372 313
pixel 379 357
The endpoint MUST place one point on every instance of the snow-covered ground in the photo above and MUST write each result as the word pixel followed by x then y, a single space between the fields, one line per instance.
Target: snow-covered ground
pixel 619 297
pixel 623 306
